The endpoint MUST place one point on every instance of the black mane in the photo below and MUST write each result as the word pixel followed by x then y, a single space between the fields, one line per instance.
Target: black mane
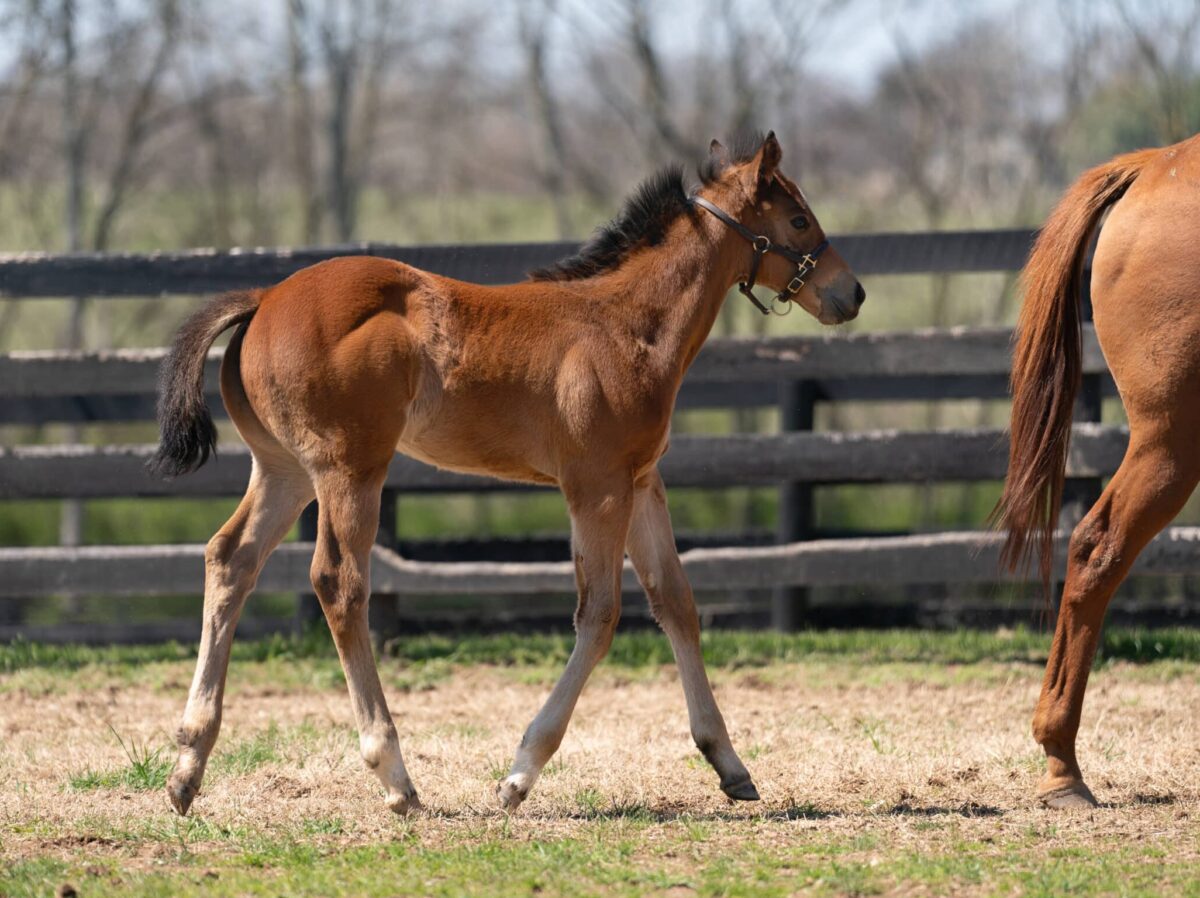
pixel 645 216
pixel 642 221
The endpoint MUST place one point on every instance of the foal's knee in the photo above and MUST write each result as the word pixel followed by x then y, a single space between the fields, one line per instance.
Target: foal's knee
pixel 340 587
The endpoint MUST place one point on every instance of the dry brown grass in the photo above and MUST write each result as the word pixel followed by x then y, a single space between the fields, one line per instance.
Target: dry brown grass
pixel 883 762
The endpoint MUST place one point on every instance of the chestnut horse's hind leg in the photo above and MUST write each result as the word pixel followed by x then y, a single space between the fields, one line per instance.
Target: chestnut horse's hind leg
pixel 599 522
pixel 651 547
pixel 1158 474
pixel 278 492
pixel 348 521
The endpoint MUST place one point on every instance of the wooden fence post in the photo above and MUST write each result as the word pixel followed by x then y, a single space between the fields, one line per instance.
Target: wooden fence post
pixel 384 611
pixel 797 402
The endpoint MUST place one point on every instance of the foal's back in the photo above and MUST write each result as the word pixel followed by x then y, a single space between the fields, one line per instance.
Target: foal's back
pixel 354 358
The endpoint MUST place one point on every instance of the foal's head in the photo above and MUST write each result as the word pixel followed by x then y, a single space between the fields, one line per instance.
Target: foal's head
pixel 746 183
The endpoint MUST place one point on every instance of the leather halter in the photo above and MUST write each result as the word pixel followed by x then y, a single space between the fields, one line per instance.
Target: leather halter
pixel 806 263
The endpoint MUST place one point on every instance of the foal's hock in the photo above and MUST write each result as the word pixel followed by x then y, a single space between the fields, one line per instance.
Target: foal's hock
pixel 568 378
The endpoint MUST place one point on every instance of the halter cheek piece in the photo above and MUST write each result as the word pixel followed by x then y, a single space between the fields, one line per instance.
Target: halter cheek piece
pixel 806 263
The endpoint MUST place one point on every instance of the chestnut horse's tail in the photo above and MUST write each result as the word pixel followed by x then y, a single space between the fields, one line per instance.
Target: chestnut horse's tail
pixel 187 434
pixel 1047 362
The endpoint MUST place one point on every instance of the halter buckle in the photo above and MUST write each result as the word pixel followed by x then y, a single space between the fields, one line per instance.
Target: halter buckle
pixel 795 285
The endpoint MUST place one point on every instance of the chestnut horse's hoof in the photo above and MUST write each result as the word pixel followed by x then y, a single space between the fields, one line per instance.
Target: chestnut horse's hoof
pixel 1073 797
pixel 182 793
pixel 741 791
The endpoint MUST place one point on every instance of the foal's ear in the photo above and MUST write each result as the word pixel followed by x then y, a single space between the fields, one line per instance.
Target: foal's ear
pixel 717 152
pixel 766 161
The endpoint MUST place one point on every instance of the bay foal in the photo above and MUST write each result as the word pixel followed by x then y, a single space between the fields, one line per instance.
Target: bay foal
pixel 568 378
pixel 1146 299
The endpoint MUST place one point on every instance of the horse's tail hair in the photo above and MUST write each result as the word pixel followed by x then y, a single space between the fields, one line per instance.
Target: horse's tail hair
pixel 187 435
pixel 1047 364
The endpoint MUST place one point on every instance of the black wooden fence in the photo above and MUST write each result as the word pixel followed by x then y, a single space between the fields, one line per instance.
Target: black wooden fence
pixel 795 373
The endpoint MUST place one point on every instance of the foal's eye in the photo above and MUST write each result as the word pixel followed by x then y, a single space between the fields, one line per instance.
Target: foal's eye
pixel 800 222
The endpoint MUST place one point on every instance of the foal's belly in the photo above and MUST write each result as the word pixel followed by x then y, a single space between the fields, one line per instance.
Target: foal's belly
pixel 476 450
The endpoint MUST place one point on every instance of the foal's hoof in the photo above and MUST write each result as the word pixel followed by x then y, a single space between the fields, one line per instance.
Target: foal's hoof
pixel 1073 797
pixel 743 790
pixel 181 792
pixel 512 792
pixel 404 803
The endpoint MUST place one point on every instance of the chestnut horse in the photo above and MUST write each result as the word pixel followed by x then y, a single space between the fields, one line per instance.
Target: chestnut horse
pixel 568 378
pixel 1146 299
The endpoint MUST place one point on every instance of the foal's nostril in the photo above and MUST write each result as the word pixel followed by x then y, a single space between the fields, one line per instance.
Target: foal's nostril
pixel 860 295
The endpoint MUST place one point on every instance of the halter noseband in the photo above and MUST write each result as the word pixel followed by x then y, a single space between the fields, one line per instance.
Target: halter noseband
pixel 806 263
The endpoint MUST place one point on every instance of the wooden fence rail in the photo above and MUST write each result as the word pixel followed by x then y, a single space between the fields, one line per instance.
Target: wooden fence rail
pixel 794 372
pixel 891 456
pixel 32 275
pixel 955 352
pixel 969 557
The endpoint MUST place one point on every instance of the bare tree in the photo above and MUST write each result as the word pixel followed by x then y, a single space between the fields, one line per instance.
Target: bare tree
pixel 648 109
pixel 136 124
pixel 533 21
pixel 301 117
pixel 1166 40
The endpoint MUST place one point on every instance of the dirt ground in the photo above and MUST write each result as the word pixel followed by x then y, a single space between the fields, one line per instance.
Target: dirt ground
pixel 890 760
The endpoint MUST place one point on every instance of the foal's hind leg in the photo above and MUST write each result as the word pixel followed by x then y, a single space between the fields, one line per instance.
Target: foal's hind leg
pixel 599 523
pixel 278 491
pixel 651 547
pixel 1158 474
pixel 349 520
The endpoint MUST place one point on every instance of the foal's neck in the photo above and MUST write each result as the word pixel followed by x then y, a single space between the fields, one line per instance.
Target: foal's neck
pixel 674 292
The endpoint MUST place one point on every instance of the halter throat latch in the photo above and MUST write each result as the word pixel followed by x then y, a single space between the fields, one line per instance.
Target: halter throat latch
pixel 761 244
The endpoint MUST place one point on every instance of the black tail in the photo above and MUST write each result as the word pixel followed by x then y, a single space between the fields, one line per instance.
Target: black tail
pixel 187 435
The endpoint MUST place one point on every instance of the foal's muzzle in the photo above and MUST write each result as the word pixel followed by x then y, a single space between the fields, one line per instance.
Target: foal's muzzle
pixel 841 299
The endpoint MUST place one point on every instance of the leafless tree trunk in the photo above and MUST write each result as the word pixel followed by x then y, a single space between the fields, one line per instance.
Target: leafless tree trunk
pixel 649 115
pixel 70 527
pixel 1166 45
pixel 136 129
pixel 302 152
pixel 534 17
pixel 220 176
pixel 339 45
pixel 357 48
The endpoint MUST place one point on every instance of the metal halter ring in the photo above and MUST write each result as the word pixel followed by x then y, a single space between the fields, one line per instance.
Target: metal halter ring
pixel 778 302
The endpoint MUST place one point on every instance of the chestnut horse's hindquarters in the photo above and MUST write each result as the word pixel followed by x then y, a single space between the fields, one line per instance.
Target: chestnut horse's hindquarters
pixel 1146 298
pixel 187 433
pixel 1047 362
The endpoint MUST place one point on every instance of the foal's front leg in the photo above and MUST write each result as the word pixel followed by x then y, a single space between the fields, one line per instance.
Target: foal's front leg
pixel 651 547
pixel 599 522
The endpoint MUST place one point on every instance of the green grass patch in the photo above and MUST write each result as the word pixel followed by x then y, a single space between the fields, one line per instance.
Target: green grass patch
pixel 722 648
pixel 146 770
pixel 622 853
